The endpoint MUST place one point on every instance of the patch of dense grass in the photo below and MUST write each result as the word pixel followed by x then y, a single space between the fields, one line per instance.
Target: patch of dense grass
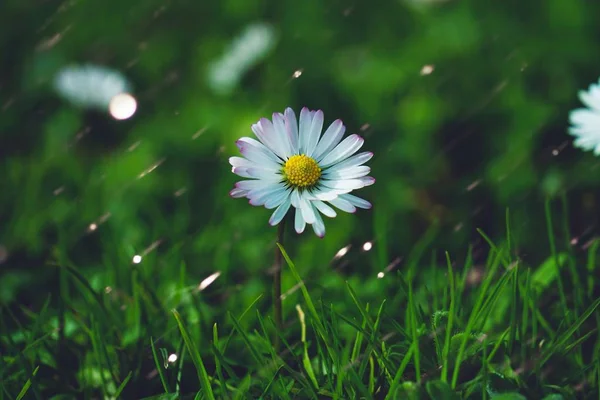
pixel 499 330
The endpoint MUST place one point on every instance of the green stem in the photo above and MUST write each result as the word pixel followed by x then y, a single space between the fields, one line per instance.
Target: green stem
pixel 277 284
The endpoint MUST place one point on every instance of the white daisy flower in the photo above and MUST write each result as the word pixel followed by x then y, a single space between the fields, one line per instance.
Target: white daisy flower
pixel 294 165
pixel 586 121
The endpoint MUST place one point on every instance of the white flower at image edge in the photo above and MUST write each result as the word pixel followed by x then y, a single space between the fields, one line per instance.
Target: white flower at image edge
pixel 293 165
pixel 586 121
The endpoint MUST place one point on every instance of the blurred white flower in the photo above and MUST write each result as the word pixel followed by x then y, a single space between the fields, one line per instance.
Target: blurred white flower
pixel 585 122
pixel 255 42
pixel 296 165
pixel 90 86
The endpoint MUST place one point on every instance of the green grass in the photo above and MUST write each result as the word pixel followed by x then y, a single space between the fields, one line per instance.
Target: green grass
pixel 501 329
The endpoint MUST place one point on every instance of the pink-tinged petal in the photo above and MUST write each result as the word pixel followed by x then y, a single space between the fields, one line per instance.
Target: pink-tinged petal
pixel 345 149
pixel 255 151
pixel 324 208
pixel 299 223
pixel 367 180
pixel 291 126
pixel 332 136
pixel 343 205
pixel 282 135
pixel 347 173
pixel 265 132
pixel 279 213
pixel 314 134
pixel 356 201
pixel 319 225
pixel 304 129
pixel 354 161
pixel 237 193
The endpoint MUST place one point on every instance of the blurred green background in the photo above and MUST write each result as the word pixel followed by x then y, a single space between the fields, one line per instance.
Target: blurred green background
pixel 464 103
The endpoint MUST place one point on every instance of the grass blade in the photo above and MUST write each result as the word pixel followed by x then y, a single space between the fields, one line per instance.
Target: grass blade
pixel 196 359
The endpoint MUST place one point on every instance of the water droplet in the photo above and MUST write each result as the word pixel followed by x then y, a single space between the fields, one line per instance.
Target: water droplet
pixel 172 358
pixel 342 252
pixel 427 69
pixel 122 106
pixel 367 246
pixel 137 259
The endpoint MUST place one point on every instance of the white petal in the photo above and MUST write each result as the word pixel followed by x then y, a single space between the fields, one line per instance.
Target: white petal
pixel 344 184
pixel 304 129
pixel 254 184
pixel 345 149
pixel 308 212
pixel 236 193
pixel 330 139
pixel 299 223
pixel 325 194
pixel 319 226
pixel 324 208
pixel 347 173
pixel 278 198
pixel 255 151
pixel 241 171
pixel 261 173
pixel 356 201
pixel 291 126
pixel 316 128
pixel 343 205
pixel 279 213
pixel 354 161
pixel 265 132
pixel 295 198
pixel 282 134
pixel 241 162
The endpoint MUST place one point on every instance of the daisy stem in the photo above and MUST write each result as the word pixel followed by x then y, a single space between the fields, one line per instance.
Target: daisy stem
pixel 277 284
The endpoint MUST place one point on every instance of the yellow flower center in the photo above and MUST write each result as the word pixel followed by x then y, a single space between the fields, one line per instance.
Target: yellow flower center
pixel 302 171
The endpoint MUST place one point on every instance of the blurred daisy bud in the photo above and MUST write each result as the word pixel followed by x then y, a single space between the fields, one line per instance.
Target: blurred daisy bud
pixel 244 52
pixel 585 122
pixel 92 86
